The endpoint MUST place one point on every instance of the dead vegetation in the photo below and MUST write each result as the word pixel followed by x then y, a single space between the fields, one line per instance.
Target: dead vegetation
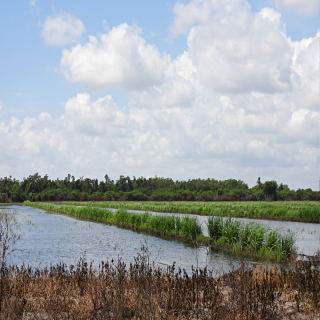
pixel 142 291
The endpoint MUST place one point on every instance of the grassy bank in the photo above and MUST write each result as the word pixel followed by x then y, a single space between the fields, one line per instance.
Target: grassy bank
pixel 242 239
pixel 303 211
pixel 251 238
pixel 142 291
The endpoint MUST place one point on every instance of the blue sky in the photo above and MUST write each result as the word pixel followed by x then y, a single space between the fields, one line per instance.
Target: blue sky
pixel 187 124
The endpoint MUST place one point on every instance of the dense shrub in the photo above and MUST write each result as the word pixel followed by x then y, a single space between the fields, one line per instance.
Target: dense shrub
pixel 4 198
pixel 96 198
pixel 72 197
pixel 83 197
pixel 225 197
pixel 61 197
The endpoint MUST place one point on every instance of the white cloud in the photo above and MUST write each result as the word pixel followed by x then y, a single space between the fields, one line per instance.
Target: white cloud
pixel 14 121
pixel 219 138
pixel 45 116
pixel 3 128
pixel 101 117
pixel 186 15
pixel 304 7
pixel 272 15
pixel 185 118
pixel 120 58
pixel 306 67
pixel 176 91
pixel 62 29
pixel 261 149
pixel 235 50
pixel 32 3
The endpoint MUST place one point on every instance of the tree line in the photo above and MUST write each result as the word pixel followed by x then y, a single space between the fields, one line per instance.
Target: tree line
pixel 37 188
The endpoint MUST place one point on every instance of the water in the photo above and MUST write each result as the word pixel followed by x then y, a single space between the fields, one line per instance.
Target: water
pixel 51 238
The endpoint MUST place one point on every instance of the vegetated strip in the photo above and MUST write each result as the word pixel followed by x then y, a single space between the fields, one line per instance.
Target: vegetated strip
pixel 284 210
pixel 243 239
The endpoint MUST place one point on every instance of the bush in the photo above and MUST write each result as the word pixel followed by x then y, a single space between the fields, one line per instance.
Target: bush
pixel 60 197
pixel 139 197
pixel 226 197
pixel 4 198
pixel 96 198
pixel 72 197
pixel 83 197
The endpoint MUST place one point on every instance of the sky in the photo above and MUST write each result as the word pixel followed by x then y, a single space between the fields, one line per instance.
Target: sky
pixel 190 89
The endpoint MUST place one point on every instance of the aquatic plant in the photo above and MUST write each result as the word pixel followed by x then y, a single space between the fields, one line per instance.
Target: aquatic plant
pixel 251 237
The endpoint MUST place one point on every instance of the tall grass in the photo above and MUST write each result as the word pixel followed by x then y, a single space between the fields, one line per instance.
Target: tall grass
pixel 281 210
pixel 251 237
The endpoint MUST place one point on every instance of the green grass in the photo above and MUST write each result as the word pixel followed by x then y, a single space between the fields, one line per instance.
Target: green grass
pixel 244 239
pixel 250 238
pixel 303 211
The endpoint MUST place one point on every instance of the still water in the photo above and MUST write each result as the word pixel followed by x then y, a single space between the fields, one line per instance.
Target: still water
pixel 51 238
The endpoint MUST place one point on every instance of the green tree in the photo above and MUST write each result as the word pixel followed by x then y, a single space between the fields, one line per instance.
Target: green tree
pixel 259 184
pixel 270 189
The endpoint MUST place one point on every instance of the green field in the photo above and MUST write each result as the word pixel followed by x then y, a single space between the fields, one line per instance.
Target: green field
pixel 303 211
pixel 243 239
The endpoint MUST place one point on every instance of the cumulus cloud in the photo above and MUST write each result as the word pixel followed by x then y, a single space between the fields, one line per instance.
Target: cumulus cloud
pixel 309 8
pixel 101 117
pixel 306 68
pixel 121 58
pixel 185 118
pixel 186 15
pixel 62 29
pixel 176 91
pixel 233 49
pixel 211 140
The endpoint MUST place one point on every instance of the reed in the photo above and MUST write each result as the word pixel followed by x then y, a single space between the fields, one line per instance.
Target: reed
pixel 251 238
pixel 303 211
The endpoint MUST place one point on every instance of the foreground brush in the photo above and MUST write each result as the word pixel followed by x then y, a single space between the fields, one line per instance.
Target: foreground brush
pixel 142 291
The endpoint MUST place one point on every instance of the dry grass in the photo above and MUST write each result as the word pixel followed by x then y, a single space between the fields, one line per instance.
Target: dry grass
pixel 141 291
